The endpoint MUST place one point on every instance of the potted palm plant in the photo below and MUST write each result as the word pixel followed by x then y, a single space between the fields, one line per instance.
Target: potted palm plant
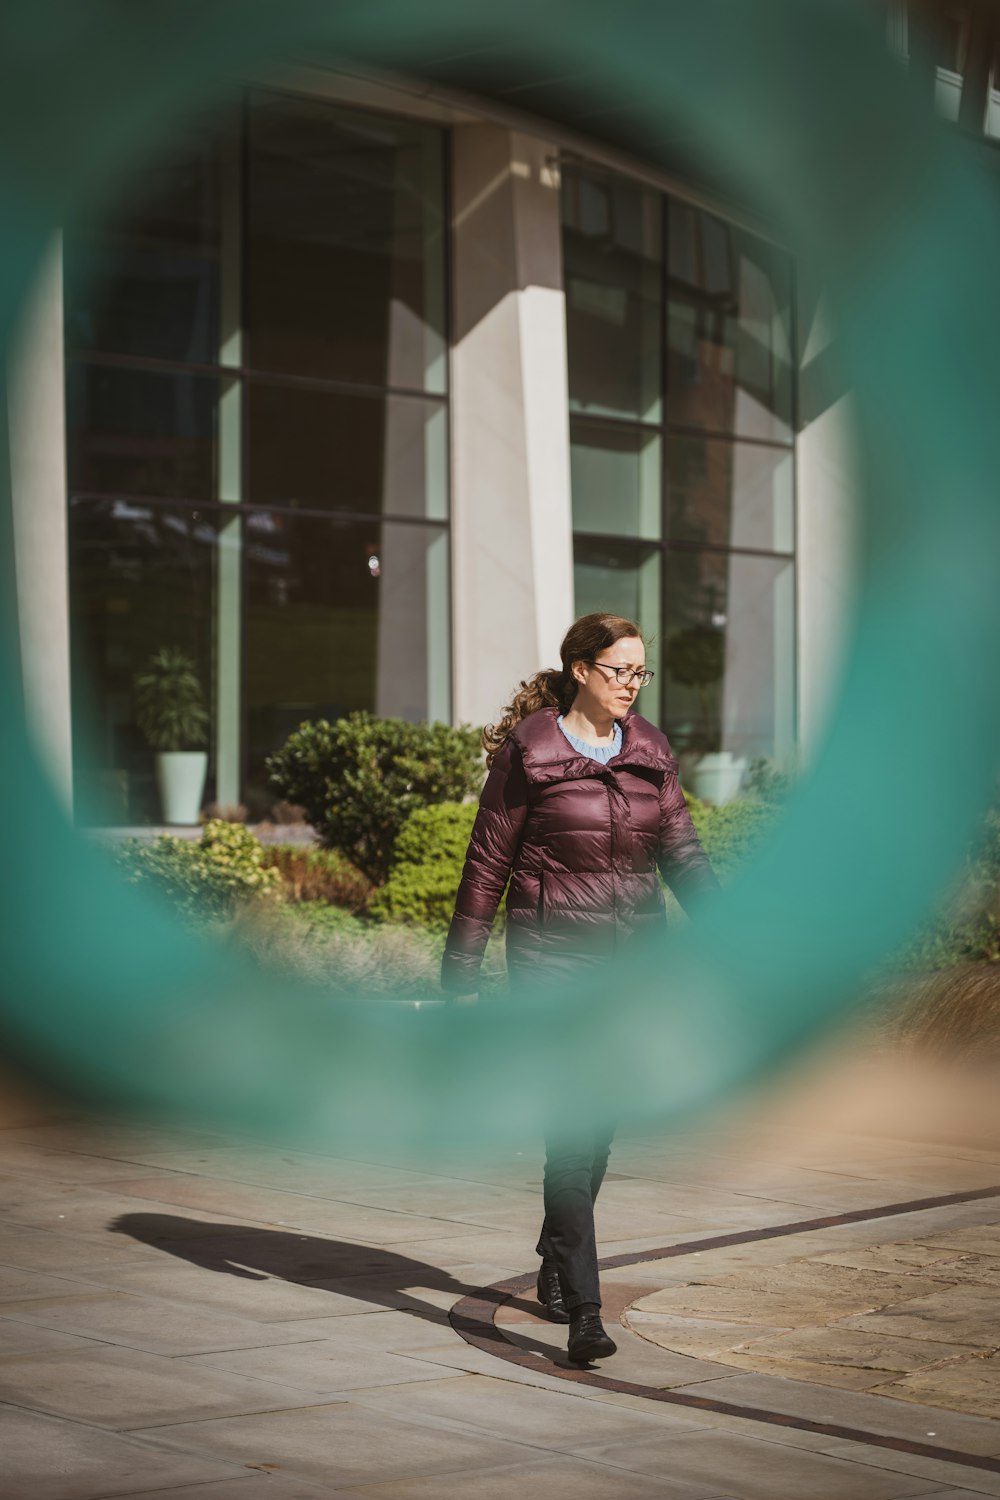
pixel 697 660
pixel 171 713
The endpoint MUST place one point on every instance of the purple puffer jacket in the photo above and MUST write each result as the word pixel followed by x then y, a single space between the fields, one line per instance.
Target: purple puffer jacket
pixel 581 843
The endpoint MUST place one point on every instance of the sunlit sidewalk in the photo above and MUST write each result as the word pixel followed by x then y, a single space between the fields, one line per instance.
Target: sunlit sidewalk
pixel 801 1312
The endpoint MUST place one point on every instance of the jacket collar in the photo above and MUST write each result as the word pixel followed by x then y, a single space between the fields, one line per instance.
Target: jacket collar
pixel 548 755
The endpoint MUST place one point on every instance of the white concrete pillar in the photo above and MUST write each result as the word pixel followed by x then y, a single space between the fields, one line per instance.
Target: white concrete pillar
pixel 37 422
pixel 511 514
pixel 827 532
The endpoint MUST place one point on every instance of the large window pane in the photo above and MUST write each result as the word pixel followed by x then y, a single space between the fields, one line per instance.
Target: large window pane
pixel 341 615
pixel 146 282
pixel 729 328
pixel 729 493
pixel 313 449
pixel 624 579
pixel 141 577
pixel 616 481
pixel 612 267
pixel 729 653
pixel 345 245
pixel 134 433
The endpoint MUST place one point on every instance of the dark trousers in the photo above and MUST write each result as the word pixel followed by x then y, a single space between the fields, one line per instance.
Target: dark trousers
pixel 575 1165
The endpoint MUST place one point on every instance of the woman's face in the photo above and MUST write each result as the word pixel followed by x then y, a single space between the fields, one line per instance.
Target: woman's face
pixel 599 692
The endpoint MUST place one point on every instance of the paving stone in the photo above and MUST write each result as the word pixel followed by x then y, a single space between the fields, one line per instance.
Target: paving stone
pixel 323 1367
pixel 554 1478
pixel 344 1444
pixel 974 1240
pixel 273 1207
pixel 970 1385
pixel 840 1345
pixel 706 1338
pixel 790 1309
pixel 144 1323
pixel 258 1486
pixel 978 1270
pixel 43 1250
pixel 48 1459
pixel 16 1284
pixel 125 1388
pixel 831 1286
pixel 25 1338
pixel 895 1257
pixel 548 1418
pixel 660 1226
pixel 937 1472
pixel 461 1202
pixel 755 1470
pixel 67 1167
pixel 263 1298
pixel 861 1412
pixel 957 1315
pixel 289 1171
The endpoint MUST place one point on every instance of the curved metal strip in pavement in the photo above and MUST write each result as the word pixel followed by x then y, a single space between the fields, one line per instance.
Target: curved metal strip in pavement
pixel 473 1318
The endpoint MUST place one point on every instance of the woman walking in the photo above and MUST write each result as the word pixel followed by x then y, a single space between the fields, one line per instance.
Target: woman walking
pixel 581 807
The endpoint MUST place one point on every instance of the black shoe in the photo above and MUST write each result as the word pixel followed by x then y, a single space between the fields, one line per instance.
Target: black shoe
pixel 588 1340
pixel 550 1293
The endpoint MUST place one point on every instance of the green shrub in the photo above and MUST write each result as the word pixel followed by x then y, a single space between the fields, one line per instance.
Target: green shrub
pixel 731 831
pixel 310 875
pixel 430 853
pixel 943 942
pixel 203 879
pixel 361 777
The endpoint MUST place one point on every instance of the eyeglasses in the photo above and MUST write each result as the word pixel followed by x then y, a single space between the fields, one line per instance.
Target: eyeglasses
pixel 625 676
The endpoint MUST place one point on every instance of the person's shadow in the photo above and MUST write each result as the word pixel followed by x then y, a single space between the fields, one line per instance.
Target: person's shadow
pixel 369 1273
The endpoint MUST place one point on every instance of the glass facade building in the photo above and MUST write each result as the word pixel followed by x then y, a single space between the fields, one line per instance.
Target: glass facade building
pixel 260 439
pixel 680 345
pixel 257 435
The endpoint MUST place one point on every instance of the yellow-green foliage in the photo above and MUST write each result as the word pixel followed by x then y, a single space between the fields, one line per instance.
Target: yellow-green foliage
pixel 207 878
pixel 730 832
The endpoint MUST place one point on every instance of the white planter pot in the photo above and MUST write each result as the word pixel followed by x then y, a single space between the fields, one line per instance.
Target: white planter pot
pixel 180 776
pixel 718 775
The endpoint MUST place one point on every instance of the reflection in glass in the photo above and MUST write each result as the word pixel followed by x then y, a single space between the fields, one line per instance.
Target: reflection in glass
pixel 141 577
pixel 345 245
pixel 321 450
pixel 730 494
pixel 729 653
pixel 612 268
pixel 340 615
pixel 615 477
pixel 134 433
pixel 624 579
pixel 146 281
pixel 729 328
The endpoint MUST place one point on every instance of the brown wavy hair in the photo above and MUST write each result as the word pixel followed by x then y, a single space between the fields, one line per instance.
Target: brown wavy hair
pixel 555 687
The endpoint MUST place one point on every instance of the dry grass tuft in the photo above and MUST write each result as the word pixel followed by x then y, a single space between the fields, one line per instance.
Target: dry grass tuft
pixel 951 1013
pixel 353 958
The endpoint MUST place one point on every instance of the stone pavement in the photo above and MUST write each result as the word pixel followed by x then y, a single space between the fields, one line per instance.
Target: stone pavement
pixel 190 1316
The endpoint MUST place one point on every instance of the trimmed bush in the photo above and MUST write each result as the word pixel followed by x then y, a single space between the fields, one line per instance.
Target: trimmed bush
pixel 318 875
pixel 361 777
pixel 204 879
pixel 430 853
